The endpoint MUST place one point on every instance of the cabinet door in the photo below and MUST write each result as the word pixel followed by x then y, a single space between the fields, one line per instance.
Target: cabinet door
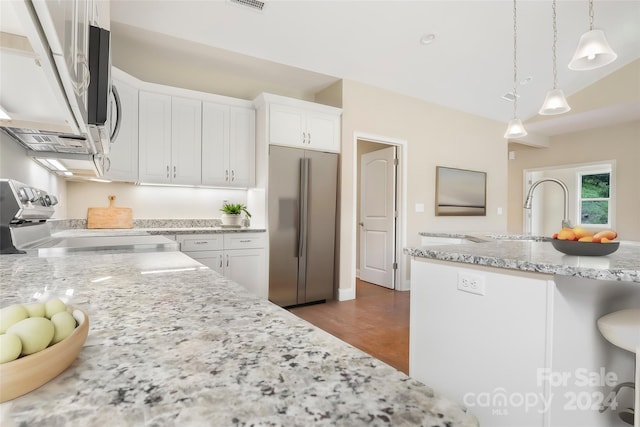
pixel 323 132
pixel 212 259
pixel 242 147
pixel 123 157
pixel 186 141
pixel 215 142
pixel 286 126
pixel 154 137
pixel 247 268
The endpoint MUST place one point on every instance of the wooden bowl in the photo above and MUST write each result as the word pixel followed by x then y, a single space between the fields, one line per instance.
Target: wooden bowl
pixel 570 247
pixel 27 373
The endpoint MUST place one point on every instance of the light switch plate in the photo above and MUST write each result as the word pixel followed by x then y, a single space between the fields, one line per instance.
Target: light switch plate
pixel 419 207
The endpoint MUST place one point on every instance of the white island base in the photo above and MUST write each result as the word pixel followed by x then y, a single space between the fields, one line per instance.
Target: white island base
pixel 527 352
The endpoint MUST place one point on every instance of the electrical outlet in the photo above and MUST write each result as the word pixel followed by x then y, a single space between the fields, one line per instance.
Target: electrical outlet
pixel 472 283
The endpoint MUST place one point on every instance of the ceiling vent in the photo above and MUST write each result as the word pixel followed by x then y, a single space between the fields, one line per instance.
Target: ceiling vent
pixel 253 4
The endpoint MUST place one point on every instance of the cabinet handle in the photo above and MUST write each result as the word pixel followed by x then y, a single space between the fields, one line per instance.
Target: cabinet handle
pixel 233 175
pixel 174 171
pixel 245 241
pixel 304 138
pixel 167 171
pixel 226 174
pixel 309 138
pixel 220 260
pixel 227 260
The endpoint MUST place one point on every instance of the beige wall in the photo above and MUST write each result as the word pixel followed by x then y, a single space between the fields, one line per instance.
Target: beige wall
pixel 620 143
pixel 14 164
pixel 435 136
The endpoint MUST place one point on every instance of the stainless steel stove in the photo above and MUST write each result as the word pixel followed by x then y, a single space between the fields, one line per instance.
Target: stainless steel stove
pixel 24 211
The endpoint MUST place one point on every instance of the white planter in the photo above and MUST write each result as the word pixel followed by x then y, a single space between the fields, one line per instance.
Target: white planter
pixel 229 219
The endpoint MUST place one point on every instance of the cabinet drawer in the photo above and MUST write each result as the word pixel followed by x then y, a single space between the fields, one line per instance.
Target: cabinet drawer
pixel 201 242
pixel 244 240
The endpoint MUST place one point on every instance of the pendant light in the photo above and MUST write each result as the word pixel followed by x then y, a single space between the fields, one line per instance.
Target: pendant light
pixel 555 102
pixel 593 50
pixel 515 129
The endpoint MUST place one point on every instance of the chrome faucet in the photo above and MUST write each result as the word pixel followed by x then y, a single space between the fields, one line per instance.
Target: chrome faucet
pixel 565 190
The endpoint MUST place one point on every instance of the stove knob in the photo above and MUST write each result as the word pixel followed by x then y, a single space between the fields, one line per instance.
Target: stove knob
pixel 22 195
pixel 31 195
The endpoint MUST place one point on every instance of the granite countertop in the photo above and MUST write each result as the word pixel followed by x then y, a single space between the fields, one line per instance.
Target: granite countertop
pixel 171 342
pixel 78 228
pixel 77 232
pixel 518 253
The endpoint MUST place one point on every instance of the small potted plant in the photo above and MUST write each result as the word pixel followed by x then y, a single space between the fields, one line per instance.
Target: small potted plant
pixel 231 213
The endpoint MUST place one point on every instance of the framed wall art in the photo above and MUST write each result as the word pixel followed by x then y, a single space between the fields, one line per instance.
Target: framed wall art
pixel 460 192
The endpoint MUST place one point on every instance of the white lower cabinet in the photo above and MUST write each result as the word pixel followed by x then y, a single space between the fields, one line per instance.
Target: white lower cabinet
pixel 237 256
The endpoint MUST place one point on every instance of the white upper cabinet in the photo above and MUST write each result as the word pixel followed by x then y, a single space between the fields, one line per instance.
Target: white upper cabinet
pixel 170 139
pixel 123 156
pixel 303 127
pixel 186 141
pixel 155 137
pixel 186 137
pixel 215 144
pixel 228 145
pixel 242 146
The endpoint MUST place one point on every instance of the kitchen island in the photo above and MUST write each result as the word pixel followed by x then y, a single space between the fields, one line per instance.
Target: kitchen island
pixel 514 322
pixel 171 342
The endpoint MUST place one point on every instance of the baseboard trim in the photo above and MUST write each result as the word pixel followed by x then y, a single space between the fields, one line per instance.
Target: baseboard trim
pixel 346 294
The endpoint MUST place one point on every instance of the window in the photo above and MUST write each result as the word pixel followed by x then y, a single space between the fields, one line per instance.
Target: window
pixel 594 204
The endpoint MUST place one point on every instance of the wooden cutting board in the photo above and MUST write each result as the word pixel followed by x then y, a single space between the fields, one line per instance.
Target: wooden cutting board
pixel 110 217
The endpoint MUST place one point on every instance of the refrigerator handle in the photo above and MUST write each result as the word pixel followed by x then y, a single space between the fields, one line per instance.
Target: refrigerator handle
pixel 303 208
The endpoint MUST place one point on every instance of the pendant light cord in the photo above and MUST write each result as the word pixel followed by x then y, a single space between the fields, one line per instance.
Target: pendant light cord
pixel 590 15
pixel 515 61
pixel 555 41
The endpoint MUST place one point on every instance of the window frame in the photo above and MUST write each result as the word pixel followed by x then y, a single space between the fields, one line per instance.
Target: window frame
pixel 596 170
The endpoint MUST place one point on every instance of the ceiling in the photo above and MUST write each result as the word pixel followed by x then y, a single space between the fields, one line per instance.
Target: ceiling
pixel 468 67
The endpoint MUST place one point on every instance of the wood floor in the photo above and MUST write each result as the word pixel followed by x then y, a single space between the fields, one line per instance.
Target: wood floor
pixel 376 322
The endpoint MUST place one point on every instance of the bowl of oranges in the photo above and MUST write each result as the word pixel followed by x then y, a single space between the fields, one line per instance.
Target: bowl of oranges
pixel 581 242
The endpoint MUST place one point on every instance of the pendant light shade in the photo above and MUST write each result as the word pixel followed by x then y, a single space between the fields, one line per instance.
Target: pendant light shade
pixel 554 103
pixel 593 52
pixel 515 129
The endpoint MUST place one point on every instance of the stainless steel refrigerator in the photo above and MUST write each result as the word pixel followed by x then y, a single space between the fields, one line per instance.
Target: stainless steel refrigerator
pixel 302 215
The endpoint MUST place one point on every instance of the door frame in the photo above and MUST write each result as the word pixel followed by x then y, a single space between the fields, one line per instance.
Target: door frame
pixel 402 283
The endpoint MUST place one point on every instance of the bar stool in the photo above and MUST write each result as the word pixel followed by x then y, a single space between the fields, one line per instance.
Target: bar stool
pixel 622 328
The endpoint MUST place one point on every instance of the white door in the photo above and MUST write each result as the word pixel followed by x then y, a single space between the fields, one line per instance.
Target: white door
pixel 377 213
